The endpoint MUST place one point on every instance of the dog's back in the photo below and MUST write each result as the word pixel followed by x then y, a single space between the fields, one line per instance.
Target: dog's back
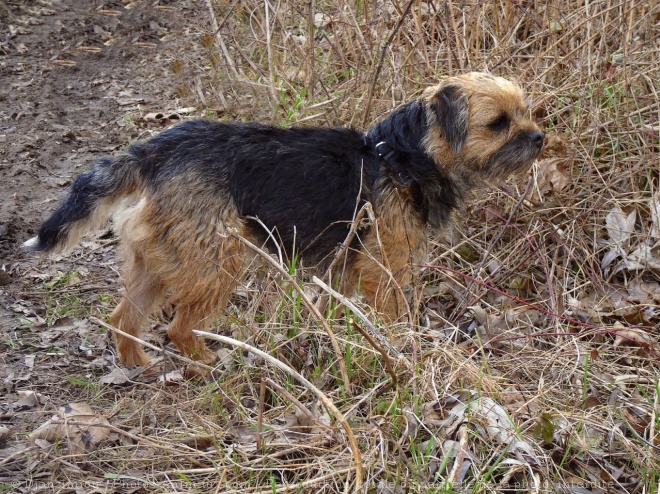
pixel 305 184
pixel 182 200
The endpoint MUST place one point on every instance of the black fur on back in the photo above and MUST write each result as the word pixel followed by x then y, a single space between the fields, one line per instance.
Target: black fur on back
pixel 304 184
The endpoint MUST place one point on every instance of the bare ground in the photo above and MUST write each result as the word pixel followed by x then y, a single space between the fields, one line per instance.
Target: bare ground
pixel 77 78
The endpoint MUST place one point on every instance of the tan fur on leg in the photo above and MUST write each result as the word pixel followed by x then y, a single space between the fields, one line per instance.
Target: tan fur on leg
pixel 143 296
pixel 397 242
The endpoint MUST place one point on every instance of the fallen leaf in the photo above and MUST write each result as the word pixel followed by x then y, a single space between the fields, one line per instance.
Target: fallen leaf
pixel 619 228
pixel 490 418
pixel 555 145
pixel 637 420
pixel 321 20
pixel 494 417
pixel 176 376
pixel 644 292
pixel 226 360
pixel 5 434
pixel 654 205
pixel 644 257
pixel 75 425
pixel 28 399
pixel 620 225
pixel 5 279
pixel 552 176
pixel 121 376
pixel 630 335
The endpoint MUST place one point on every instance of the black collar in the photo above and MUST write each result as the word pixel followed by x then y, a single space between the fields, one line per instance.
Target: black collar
pixel 435 194
pixel 387 153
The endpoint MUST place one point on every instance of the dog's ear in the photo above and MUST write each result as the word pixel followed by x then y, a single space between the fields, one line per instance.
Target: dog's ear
pixel 451 111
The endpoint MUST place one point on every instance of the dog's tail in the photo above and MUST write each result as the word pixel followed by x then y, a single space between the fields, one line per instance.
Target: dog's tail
pixel 94 196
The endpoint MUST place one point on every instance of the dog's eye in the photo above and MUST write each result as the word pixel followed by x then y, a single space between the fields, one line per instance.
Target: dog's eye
pixel 499 124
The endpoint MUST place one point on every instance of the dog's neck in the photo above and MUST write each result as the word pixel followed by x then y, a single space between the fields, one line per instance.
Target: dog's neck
pixel 397 142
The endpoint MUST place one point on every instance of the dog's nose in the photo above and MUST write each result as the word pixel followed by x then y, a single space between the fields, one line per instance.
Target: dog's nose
pixel 537 138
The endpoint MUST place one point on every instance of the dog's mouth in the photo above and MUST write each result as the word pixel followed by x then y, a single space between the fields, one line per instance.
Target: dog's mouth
pixel 517 155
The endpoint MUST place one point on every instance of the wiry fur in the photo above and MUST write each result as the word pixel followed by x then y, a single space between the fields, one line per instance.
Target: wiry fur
pixel 179 199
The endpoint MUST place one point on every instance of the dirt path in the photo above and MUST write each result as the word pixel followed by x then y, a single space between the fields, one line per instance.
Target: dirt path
pixel 76 79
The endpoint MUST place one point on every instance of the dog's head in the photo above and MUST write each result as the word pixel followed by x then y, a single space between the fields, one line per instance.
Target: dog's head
pixel 480 123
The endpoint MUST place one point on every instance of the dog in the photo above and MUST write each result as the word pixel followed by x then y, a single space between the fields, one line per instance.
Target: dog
pixel 183 201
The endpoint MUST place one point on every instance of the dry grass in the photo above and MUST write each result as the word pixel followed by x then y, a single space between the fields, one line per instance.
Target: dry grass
pixel 535 367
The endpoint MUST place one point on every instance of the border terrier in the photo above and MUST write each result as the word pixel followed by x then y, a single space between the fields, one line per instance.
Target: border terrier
pixel 182 201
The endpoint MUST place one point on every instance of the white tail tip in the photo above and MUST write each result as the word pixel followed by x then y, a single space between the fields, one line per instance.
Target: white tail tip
pixel 31 244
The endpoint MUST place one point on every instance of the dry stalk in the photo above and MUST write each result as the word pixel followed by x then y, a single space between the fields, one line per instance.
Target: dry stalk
pixel 462 445
pixel 220 40
pixel 386 358
pixel 486 256
pixel 327 403
pixel 374 80
pixel 310 305
pixel 356 224
pixel 354 308
pixel 289 396
pixel 269 52
pixel 260 417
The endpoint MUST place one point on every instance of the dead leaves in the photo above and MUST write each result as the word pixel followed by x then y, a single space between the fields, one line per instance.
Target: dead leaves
pixel 28 399
pixel 119 376
pixel 632 335
pixel 493 326
pixel 5 279
pixel 552 172
pixel 633 246
pixel 620 227
pixel 302 426
pixel 76 427
pixel 637 250
pixel 636 303
pixel 461 424
pixel 552 176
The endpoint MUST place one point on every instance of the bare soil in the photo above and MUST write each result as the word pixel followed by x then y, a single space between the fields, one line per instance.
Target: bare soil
pixel 77 80
pixel 75 75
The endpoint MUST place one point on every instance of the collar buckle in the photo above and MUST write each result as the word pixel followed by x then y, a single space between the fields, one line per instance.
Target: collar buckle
pixel 386 154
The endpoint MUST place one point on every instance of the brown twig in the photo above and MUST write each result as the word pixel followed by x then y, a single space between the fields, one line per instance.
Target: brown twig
pixel 381 60
pixel 310 305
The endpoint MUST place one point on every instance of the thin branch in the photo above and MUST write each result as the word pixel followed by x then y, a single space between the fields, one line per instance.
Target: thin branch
pixel 327 403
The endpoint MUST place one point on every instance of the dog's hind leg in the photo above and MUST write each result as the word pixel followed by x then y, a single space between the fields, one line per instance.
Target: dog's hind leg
pixel 202 293
pixel 180 332
pixel 144 294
